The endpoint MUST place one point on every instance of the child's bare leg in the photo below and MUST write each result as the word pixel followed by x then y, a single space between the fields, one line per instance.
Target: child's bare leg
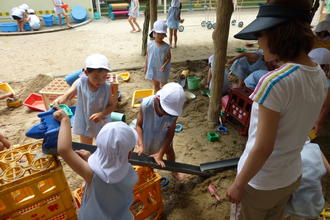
pixel 131 23
pixel 170 155
pixel 86 140
pixel 59 19
pixel 170 37
pixel 156 85
pixel 67 20
pixel 175 31
pixel 136 24
pixel 21 25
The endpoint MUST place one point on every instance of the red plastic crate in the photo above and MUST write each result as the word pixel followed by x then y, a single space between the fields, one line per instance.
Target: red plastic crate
pixel 239 108
pixel 35 102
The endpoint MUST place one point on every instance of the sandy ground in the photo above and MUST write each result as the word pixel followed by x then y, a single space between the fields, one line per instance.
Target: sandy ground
pixel 24 58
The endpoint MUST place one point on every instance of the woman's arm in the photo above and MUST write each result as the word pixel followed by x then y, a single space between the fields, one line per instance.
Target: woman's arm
pixel 268 121
pixel 64 148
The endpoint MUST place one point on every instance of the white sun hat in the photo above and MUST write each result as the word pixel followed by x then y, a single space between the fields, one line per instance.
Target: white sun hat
pixel 24 7
pixel 160 27
pixel 30 10
pixel 322 26
pixel 320 56
pixel 97 61
pixel 172 98
pixel 110 160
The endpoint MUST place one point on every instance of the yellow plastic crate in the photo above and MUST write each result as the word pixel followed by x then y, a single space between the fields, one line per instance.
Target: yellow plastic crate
pixel 148 201
pixel 33 185
pixel 139 95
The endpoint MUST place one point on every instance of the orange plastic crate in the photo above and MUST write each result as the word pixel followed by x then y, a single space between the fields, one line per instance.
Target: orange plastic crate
pixel 33 185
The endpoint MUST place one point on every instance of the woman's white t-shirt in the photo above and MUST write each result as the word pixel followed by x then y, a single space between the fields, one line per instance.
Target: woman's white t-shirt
pixel 297 92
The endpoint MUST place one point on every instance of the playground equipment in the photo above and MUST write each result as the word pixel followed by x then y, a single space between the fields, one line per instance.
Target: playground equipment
pixel 34 102
pixel 139 95
pixel 33 185
pixel 118 9
pixel 237 8
pixel 239 108
pixel 209 20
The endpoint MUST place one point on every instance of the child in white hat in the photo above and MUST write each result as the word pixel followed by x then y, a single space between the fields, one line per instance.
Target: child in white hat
pixel 19 14
pixel 109 177
pixel 157 121
pixel 33 20
pixel 158 60
pixel 94 104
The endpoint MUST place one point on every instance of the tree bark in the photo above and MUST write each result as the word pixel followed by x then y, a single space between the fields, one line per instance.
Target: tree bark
pixel 220 41
pixel 145 29
pixel 153 12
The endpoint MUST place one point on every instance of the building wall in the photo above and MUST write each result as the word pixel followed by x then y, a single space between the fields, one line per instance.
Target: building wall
pixel 42 6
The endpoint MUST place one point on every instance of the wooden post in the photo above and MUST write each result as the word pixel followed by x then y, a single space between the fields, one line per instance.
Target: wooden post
pixel 153 12
pixel 145 32
pixel 220 41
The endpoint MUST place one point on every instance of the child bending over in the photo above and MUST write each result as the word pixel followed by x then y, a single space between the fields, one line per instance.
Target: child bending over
pixel 158 60
pixel 109 177
pixel 95 103
pixel 308 201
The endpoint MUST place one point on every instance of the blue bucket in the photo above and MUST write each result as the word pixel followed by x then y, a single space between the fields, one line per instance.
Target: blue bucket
pixel 27 27
pixel 79 14
pixel 57 21
pixel 48 20
pixel 71 78
pixel 8 27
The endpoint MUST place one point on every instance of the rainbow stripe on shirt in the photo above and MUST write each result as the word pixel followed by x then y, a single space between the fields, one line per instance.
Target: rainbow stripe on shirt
pixel 269 80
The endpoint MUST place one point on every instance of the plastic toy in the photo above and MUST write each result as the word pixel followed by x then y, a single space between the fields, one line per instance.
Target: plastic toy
pixel 118 9
pixel 34 101
pixel 65 108
pixel 124 76
pixel 221 128
pixel 213 192
pixel 164 181
pixel 178 128
pixel 212 136
pixel 325 213
pixel 181 28
pixel 139 94
pixel 79 14
pixel 47 129
pixel 71 78
pixel 13 102
pixel 116 116
pixel 65 6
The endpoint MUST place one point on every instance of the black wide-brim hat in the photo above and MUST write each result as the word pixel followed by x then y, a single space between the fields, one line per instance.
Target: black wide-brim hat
pixel 270 16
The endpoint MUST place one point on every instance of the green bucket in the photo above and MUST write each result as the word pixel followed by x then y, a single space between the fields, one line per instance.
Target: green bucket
pixel 116 116
pixel 193 83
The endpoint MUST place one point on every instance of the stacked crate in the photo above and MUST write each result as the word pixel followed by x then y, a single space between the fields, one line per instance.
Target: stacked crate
pixel 33 185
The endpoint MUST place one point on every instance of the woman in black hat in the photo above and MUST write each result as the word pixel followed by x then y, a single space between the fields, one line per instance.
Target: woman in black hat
pixel 286 104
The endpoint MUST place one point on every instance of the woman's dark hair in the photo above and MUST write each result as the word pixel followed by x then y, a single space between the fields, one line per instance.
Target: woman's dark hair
pixel 89 70
pixel 288 40
pixel 291 38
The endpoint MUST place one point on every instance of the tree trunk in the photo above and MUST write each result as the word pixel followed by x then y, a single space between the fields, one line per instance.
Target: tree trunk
pixel 220 41
pixel 145 31
pixel 153 12
pixel 314 8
